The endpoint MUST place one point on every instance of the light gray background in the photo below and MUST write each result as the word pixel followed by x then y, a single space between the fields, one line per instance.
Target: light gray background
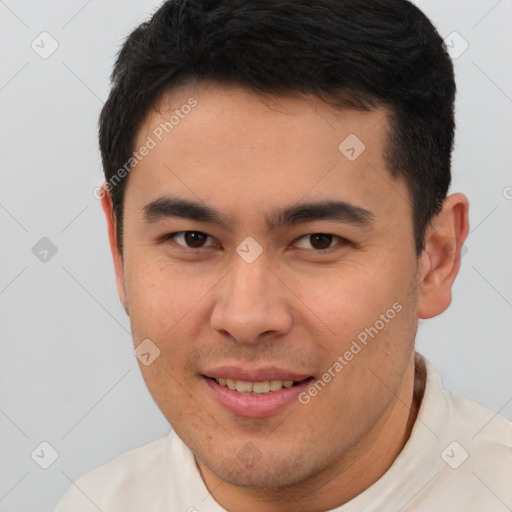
pixel 67 371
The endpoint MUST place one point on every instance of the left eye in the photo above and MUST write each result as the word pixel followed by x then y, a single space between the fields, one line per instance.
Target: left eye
pixel 197 239
pixel 319 241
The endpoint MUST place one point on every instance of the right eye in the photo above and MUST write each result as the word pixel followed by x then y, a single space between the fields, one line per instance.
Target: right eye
pixel 188 239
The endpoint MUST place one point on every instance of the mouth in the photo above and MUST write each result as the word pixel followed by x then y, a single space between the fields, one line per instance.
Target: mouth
pixel 255 398
pixel 255 388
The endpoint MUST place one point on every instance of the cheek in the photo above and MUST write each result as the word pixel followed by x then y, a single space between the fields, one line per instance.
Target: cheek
pixel 348 300
pixel 155 287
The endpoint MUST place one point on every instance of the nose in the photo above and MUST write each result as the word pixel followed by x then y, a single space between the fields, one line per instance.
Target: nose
pixel 252 303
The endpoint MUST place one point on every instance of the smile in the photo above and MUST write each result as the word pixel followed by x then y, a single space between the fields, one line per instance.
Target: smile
pixel 255 388
pixel 255 399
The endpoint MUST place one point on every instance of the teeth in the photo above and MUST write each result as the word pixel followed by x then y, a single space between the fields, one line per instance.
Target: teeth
pixel 243 387
pixel 276 385
pixel 263 387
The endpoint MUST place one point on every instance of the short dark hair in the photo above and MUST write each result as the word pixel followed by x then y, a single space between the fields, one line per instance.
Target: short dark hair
pixel 358 54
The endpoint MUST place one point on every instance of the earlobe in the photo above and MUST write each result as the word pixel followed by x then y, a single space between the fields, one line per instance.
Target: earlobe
pixel 440 260
pixel 106 204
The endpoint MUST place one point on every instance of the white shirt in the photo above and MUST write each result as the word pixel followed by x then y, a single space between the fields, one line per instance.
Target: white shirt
pixel 458 458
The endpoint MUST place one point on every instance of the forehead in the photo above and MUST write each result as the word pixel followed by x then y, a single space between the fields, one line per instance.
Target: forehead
pixel 232 147
pixel 226 113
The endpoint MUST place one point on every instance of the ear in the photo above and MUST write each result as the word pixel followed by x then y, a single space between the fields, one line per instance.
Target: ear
pixel 440 260
pixel 106 203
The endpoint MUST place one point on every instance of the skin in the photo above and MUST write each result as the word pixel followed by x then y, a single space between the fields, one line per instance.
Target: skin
pixel 294 307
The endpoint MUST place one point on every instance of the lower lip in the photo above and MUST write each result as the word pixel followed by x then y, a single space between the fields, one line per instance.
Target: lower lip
pixel 256 406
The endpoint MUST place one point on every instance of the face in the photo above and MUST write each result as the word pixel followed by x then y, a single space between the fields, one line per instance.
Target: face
pixel 261 254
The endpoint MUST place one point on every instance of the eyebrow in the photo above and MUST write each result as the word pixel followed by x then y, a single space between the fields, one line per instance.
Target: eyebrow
pixel 334 210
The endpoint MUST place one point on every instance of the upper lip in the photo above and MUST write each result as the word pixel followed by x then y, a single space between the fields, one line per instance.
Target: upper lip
pixel 254 374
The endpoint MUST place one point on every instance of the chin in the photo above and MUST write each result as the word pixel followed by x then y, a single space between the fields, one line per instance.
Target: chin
pixel 263 473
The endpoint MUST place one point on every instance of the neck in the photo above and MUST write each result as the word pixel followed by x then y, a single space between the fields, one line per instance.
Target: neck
pixel 335 486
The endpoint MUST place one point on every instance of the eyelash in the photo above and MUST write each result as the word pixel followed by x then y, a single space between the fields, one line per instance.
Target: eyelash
pixel 172 236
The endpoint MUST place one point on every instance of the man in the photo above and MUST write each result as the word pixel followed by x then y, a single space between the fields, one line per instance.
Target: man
pixel 276 198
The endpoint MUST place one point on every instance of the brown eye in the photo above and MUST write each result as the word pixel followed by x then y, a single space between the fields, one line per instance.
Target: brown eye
pixel 317 241
pixel 195 238
pixel 189 239
pixel 320 241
